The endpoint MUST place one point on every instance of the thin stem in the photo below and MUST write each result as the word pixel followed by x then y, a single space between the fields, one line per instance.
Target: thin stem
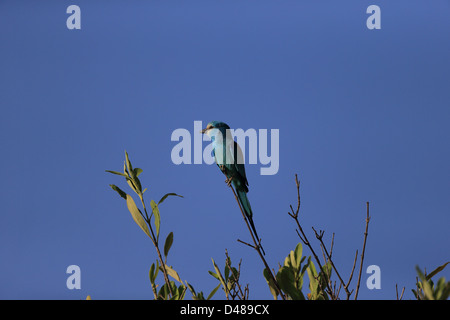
pixel 396 291
pixel 363 250
pixel 246 243
pixel 353 269
pixel 332 245
pixel 235 276
pixel 319 237
pixel 303 236
pixel 155 243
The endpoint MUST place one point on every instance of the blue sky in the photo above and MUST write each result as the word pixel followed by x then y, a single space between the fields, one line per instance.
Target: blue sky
pixel 362 114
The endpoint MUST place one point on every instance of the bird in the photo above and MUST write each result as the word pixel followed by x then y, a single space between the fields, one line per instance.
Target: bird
pixel 229 158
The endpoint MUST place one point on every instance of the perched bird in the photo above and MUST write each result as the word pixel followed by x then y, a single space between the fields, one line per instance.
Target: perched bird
pixel 229 158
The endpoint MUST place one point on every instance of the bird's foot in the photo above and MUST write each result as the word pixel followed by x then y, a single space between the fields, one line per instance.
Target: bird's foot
pixel 228 181
pixel 222 168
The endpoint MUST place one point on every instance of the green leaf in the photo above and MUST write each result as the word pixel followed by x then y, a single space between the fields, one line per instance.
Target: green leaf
pixel 138 185
pixel 118 173
pixel 222 281
pixel 128 163
pixel 150 272
pixel 200 296
pixel 227 269
pixel 168 244
pixel 440 286
pixel 312 268
pixel 427 289
pixel 195 296
pixel 213 292
pixel 169 194
pixel 164 292
pixel 181 292
pixel 234 274
pixel 214 275
pixel 444 291
pixel 119 191
pixel 191 289
pixel 137 171
pixel 174 290
pixel 298 255
pixel 137 215
pixel 132 178
pixel 157 216
pixel 132 186
pixel 313 282
pixel 437 270
pixel 153 272
pixel 292 259
pixel 270 283
pixel 173 273
pixel 326 269
pixel 286 281
pixel 287 261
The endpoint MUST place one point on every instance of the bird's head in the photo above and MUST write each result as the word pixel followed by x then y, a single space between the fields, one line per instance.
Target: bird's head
pixel 214 126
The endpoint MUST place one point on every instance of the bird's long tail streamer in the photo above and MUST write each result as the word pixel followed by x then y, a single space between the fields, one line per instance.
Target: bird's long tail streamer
pixel 242 196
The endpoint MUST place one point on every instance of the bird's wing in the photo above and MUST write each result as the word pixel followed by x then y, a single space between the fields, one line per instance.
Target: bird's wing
pixel 238 161
pixel 215 158
pixel 219 155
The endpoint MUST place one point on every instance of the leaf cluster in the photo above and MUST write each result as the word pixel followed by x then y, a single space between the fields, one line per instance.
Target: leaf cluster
pixel 229 280
pixel 426 289
pixel 290 277
pixel 151 225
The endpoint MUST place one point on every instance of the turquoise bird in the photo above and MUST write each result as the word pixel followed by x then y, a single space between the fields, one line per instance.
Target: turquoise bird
pixel 229 158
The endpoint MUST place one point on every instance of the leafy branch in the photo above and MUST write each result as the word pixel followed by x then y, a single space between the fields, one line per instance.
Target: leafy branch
pixel 151 229
pixel 229 280
pixel 426 289
pixel 287 282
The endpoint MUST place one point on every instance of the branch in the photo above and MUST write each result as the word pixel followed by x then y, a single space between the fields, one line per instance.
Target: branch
pixel 332 245
pixel 244 295
pixel 353 268
pixel 396 291
pixel 363 250
pixel 246 243
pixel 319 236
pixel 303 236
pixel 156 244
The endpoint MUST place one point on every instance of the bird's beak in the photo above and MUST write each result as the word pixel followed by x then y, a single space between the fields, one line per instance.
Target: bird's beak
pixel 203 131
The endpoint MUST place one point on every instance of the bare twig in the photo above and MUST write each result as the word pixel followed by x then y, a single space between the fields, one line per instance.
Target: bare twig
pixel 363 250
pixel 246 243
pixel 332 245
pixel 353 269
pixel 319 236
pixel 396 291
pixel 303 236
pixel 242 295
pixel 156 244
pixel 339 289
